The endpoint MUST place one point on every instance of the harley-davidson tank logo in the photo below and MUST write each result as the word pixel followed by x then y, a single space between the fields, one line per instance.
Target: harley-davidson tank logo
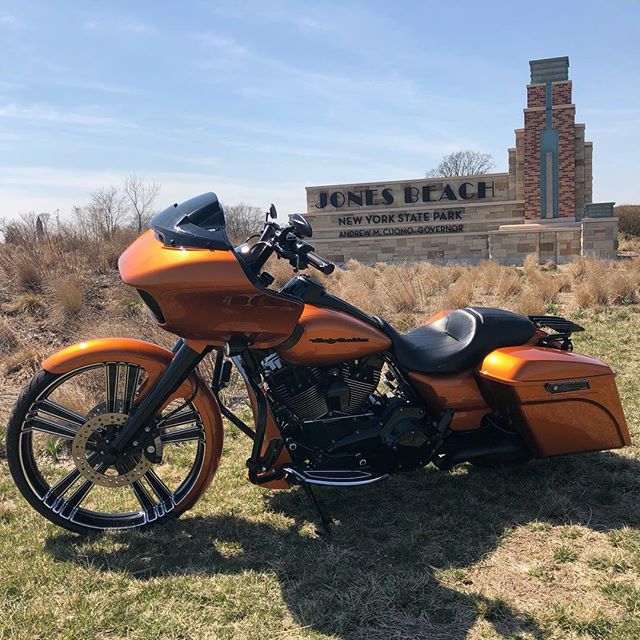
pixel 337 340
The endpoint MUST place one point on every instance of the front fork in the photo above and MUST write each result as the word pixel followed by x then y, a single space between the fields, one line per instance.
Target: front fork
pixel 137 427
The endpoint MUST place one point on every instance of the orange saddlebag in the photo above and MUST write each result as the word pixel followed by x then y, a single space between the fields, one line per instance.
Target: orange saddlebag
pixel 560 402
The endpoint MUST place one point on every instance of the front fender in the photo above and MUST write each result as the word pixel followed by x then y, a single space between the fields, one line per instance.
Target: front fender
pixel 151 357
pixel 154 360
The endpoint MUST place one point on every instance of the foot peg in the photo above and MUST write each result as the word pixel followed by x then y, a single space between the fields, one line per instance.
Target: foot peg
pixel 333 477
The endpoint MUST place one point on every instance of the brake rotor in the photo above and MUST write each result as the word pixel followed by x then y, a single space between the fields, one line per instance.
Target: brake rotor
pixel 95 425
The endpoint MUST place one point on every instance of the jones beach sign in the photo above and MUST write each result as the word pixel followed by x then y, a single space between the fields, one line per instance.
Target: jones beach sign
pixel 425 207
pixel 397 211
pixel 408 194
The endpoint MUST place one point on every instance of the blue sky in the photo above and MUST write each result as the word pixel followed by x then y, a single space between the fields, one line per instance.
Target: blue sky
pixel 255 100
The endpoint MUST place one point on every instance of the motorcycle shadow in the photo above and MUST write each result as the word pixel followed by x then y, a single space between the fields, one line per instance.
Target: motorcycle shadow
pixel 380 575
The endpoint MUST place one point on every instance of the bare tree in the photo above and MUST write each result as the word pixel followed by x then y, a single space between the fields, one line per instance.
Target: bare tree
pixel 85 224
pixel 107 210
pixel 242 221
pixel 141 196
pixel 462 163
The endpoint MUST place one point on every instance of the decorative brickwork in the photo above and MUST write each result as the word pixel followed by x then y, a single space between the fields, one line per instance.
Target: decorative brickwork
pixel 519 164
pixel 561 92
pixel 588 172
pixel 536 96
pixel 534 123
pixel 564 122
pixel 581 171
pixel 563 165
pixel 512 173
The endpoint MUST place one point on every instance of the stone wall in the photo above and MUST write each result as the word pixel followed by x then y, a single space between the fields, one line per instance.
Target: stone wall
pixel 462 247
pixel 599 237
pixel 550 242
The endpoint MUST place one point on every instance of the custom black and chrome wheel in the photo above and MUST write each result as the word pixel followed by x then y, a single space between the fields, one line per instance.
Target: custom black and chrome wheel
pixel 57 441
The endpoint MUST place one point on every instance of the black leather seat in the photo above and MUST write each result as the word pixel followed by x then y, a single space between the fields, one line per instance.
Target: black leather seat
pixel 460 340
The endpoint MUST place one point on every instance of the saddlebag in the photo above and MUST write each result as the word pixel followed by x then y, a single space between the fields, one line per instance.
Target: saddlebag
pixel 560 402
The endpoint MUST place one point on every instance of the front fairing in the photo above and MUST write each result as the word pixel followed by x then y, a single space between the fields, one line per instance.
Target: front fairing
pixel 201 292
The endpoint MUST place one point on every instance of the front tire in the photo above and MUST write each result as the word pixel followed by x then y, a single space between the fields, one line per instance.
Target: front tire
pixel 53 437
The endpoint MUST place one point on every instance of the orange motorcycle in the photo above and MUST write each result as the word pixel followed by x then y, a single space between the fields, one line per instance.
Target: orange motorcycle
pixel 121 433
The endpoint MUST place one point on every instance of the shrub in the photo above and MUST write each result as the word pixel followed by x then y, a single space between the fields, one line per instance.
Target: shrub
pixel 28 302
pixel 577 268
pixel 25 358
pixel 530 302
pixel 628 219
pixel 622 289
pixel 67 296
pixel 459 294
pixel 27 274
pixel 592 292
pixel 8 338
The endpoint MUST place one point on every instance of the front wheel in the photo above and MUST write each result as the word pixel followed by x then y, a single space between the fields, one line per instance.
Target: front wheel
pixel 62 422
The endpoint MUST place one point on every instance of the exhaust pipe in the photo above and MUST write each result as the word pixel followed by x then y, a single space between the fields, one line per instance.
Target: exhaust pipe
pixel 485 447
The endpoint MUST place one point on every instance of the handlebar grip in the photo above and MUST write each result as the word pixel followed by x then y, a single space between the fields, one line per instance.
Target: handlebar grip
pixel 319 263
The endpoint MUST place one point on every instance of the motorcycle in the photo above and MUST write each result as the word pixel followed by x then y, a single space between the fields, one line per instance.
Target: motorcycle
pixel 121 433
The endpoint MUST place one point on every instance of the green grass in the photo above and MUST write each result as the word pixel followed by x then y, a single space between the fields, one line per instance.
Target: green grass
pixel 550 549
pixel 565 554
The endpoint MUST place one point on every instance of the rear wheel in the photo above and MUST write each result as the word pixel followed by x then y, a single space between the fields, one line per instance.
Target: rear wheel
pixel 62 424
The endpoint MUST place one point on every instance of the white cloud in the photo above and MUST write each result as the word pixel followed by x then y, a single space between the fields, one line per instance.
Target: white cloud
pixel 103 87
pixel 265 13
pixel 11 22
pixel 126 26
pixel 218 41
pixel 46 113
pixel 305 22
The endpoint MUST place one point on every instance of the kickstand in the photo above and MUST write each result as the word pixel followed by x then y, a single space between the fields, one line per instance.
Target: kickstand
pixel 324 528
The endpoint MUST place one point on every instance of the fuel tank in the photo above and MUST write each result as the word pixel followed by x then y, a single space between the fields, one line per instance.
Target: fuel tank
pixel 206 295
pixel 326 337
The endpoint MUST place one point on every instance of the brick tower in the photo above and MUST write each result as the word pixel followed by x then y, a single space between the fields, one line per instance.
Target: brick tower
pixel 553 159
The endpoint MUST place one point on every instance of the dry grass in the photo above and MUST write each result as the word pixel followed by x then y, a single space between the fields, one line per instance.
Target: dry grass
pixel 460 293
pixel 67 296
pixel 29 302
pixel 27 275
pixel 529 302
pixel 23 360
pixel 8 337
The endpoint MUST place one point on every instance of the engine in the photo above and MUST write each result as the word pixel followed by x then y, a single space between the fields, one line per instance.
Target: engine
pixel 334 417
pixel 313 392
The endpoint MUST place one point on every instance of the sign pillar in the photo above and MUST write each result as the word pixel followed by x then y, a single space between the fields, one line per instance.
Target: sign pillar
pixel 549 142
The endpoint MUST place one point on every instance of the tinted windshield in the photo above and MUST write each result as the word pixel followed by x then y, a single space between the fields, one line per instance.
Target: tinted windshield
pixel 198 222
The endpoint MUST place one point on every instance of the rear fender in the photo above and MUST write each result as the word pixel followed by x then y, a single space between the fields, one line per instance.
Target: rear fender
pixel 154 360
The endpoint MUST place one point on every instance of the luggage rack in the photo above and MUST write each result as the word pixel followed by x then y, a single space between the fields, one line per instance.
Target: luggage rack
pixel 562 327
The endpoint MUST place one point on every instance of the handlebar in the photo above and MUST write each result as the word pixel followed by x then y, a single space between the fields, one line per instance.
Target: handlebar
pixel 287 244
pixel 320 263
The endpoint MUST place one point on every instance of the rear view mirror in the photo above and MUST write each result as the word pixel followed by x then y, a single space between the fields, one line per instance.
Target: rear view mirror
pixel 301 226
pixel 273 214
